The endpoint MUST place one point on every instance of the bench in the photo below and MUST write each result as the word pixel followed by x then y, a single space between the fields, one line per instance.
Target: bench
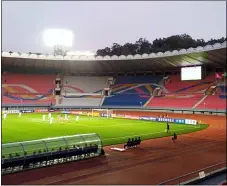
pixel 132 144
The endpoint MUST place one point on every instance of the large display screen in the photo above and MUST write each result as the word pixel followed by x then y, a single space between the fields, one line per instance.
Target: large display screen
pixel 191 73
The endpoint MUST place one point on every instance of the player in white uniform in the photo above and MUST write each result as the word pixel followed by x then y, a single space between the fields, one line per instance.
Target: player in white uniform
pixel 51 120
pixel 44 117
pixel 77 118
pixel 5 115
pixel 66 117
pixel 19 114
pixel 49 115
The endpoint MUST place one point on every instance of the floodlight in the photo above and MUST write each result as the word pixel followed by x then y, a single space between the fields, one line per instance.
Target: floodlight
pixel 79 53
pixel 57 37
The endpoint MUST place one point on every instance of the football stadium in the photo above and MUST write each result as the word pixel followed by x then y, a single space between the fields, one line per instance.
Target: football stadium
pixel 146 112
pixel 110 121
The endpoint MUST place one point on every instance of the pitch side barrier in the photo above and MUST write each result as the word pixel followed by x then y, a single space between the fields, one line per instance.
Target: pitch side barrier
pixel 154 109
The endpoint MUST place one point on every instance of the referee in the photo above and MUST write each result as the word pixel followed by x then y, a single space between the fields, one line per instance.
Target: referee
pixel 167 128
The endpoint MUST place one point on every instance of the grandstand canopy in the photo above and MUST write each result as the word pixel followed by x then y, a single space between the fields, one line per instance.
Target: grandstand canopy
pixel 209 56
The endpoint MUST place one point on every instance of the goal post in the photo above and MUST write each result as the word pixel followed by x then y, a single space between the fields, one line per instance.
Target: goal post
pixel 101 113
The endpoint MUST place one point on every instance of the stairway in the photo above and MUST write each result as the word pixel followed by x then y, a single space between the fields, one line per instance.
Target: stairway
pixel 162 85
pixel 148 101
pixel 102 100
pixel 211 90
pixel 200 101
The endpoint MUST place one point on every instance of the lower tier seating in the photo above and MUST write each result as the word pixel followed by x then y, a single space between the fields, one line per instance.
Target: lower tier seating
pixel 46 100
pixel 213 102
pixel 175 101
pixel 126 100
pixel 27 88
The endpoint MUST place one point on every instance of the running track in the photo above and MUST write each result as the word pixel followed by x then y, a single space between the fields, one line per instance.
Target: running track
pixel 155 161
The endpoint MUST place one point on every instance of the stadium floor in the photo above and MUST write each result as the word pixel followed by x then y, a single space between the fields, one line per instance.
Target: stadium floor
pixel 155 161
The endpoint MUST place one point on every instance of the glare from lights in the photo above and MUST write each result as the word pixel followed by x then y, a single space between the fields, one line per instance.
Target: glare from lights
pixel 79 53
pixel 54 37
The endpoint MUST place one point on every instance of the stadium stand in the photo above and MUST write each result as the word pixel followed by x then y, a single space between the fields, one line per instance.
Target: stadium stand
pixel 175 101
pixel 222 91
pixel 132 90
pixel 175 85
pixel 213 102
pixel 27 88
pixel 216 101
pixel 187 94
pixel 126 91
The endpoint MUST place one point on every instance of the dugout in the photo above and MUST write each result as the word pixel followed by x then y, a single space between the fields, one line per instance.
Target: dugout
pixel 19 156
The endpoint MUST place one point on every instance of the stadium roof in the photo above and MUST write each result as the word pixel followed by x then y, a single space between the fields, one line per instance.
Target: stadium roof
pixel 211 56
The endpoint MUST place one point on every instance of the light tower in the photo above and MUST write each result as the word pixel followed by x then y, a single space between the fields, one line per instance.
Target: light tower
pixel 59 50
pixel 59 39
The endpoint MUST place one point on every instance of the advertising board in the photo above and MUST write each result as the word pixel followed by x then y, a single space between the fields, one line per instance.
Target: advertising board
pixel 27 111
pixel 11 111
pixel 41 110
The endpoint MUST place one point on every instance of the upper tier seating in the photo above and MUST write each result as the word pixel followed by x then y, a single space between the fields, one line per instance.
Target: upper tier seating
pixel 27 88
pixel 132 90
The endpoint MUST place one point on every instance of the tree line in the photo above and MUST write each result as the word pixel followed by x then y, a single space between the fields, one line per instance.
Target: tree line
pixel 143 46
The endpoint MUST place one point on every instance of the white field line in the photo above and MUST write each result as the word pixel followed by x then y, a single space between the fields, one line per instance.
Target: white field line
pixel 119 125
pixel 64 122
pixel 107 139
pixel 113 125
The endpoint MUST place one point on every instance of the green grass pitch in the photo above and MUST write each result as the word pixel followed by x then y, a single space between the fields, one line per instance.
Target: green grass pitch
pixel 112 131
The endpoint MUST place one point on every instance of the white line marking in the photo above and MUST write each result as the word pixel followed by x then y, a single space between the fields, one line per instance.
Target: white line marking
pixel 140 135
pixel 109 173
pixel 113 125
pixel 181 152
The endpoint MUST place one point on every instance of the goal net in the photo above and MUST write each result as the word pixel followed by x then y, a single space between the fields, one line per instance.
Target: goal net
pixel 101 113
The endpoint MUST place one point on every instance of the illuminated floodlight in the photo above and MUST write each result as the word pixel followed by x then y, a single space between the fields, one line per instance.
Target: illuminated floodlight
pixel 58 37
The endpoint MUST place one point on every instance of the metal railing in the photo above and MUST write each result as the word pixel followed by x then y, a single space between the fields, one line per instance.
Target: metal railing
pixel 193 176
pixel 137 108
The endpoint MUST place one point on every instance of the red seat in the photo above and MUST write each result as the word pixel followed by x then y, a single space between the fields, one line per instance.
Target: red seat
pixel 212 102
pixel 176 101
pixel 27 86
